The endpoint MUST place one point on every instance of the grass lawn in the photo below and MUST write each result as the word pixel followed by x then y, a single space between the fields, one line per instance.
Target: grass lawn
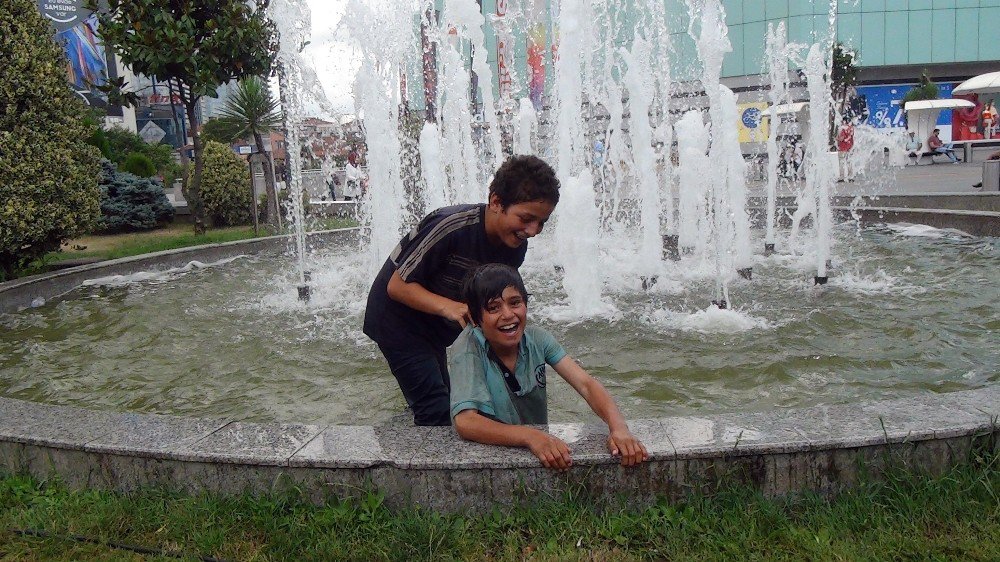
pixel 173 236
pixel 906 517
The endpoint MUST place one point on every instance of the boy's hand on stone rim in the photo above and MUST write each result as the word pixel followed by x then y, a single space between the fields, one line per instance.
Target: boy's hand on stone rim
pixel 621 443
pixel 552 451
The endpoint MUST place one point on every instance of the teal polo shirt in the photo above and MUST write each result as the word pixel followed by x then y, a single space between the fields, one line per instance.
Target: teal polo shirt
pixel 477 381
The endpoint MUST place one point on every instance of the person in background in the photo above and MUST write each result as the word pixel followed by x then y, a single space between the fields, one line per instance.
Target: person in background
pixel 913 145
pixel 845 142
pixel 352 187
pixel 935 144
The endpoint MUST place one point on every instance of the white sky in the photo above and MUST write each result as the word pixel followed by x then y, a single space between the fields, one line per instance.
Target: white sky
pixel 332 57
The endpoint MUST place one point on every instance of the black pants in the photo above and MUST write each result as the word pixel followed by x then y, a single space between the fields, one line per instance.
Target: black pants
pixel 422 374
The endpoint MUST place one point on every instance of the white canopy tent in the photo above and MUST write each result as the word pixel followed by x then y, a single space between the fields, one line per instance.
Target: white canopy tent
pixel 922 116
pixel 988 83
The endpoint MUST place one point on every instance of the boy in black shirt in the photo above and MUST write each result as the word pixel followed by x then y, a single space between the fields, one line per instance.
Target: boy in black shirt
pixel 415 309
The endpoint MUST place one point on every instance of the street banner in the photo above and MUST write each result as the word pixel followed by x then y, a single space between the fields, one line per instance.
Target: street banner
pixel 90 63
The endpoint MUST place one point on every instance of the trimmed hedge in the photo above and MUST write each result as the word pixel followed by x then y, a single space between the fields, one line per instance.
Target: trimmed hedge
pixel 225 186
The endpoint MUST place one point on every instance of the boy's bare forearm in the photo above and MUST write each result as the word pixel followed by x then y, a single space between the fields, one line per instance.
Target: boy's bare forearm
pixel 591 389
pixel 473 426
pixel 550 450
pixel 418 297
pixel 604 406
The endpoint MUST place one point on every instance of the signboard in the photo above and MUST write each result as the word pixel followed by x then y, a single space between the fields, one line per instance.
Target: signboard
pixel 152 133
pixel 244 149
pixel 90 62
pixel 752 126
pixel 882 105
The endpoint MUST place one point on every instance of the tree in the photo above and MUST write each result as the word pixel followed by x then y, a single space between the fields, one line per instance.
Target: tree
pixel 48 173
pixel 843 75
pixel 226 186
pixel 197 45
pixel 253 112
pixel 215 130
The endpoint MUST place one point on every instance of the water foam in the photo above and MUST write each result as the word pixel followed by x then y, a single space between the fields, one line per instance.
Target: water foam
pixel 925 231
pixel 155 276
pixel 711 320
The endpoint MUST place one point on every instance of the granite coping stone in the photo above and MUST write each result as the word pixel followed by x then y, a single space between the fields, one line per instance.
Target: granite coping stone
pixel 153 435
pixel 823 427
pixel 250 443
pixel 65 427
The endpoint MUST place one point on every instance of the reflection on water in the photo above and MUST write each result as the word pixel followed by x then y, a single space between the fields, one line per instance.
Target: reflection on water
pixel 907 311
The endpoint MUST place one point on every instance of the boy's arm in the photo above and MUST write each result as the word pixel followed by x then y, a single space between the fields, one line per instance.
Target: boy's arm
pixel 417 297
pixel 620 439
pixel 552 451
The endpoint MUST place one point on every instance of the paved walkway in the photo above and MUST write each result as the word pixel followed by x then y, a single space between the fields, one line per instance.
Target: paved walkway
pixel 943 177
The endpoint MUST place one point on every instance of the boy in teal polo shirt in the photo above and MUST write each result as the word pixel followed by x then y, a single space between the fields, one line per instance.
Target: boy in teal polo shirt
pixel 498 375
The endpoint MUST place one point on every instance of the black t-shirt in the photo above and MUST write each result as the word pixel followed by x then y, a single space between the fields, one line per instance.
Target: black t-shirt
pixel 437 253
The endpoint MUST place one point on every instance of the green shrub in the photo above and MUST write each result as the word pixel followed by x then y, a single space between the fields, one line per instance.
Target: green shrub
pixel 924 90
pixel 130 203
pixel 118 145
pixel 48 174
pixel 140 165
pixel 225 186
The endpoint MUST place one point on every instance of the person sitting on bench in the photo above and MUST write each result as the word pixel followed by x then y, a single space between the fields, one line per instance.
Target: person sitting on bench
pixel 913 146
pixel 935 144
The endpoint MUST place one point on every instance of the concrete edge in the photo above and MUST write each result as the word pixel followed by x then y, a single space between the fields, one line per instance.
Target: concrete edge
pixel 975 223
pixel 432 466
pixel 18 294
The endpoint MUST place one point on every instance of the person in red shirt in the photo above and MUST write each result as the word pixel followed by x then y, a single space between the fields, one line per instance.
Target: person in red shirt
pixel 935 144
pixel 845 142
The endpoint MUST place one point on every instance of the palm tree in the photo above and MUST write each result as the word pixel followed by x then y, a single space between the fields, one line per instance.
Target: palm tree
pixel 253 111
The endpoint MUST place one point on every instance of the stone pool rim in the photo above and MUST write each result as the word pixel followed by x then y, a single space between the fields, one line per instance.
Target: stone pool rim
pixel 821 449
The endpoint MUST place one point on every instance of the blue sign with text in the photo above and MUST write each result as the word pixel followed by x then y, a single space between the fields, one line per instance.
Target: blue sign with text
pixel 885 104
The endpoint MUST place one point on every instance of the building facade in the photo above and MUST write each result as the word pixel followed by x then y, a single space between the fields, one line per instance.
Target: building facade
pixel 894 40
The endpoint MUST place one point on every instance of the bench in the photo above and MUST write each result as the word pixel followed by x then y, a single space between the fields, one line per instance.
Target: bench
pixel 969 146
pixel 916 156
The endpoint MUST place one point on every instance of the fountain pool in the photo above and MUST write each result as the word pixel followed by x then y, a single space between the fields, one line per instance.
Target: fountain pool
pixel 910 310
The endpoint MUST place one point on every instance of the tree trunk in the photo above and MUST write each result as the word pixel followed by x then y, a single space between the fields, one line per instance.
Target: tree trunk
pixel 193 195
pixel 272 194
pixel 7 264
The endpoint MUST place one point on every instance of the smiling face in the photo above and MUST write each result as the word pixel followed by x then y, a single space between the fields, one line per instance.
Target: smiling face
pixel 513 225
pixel 504 319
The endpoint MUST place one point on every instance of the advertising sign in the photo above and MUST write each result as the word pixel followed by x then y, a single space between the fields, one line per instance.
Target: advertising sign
pixel 884 104
pixel 752 126
pixel 90 62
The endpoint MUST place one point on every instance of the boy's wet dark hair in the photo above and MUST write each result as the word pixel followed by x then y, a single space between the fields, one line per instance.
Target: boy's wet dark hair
pixel 525 178
pixel 486 283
